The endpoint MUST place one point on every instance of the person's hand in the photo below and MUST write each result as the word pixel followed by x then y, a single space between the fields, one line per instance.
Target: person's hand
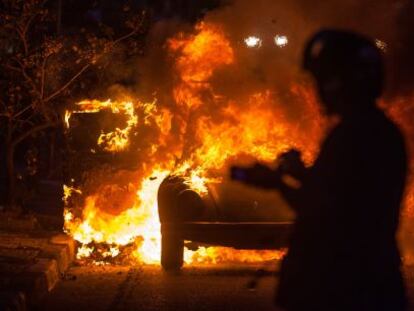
pixel 290 163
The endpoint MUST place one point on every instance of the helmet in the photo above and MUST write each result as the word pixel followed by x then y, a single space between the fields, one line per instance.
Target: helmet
pixel 350 57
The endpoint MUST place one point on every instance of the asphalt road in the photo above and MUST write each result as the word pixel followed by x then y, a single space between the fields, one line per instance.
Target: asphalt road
pixel 198 288
pixel 220 287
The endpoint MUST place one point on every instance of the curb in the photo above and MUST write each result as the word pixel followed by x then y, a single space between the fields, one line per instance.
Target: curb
pixel 12 301
pixel 31 266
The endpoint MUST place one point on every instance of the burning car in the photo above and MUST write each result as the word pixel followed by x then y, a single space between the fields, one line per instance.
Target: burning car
pixel 155 188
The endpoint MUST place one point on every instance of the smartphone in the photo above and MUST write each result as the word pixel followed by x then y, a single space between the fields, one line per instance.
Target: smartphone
pixel 238 173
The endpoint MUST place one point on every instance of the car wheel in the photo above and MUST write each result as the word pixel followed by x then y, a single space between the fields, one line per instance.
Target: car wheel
pixel 172 251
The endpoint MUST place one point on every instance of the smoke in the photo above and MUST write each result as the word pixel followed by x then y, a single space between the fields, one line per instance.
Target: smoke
pixel 389 21
pixel 275 68
pixel 401 57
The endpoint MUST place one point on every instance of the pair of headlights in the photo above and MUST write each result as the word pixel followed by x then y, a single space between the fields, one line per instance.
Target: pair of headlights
pixel 256 42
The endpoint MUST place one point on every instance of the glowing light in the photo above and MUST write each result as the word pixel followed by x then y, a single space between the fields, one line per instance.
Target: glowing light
pixel 84 252
pixel 381 45
pixel 68 191
pixel 112 252
pixel 253 42
pixel 281 41
pixel 67 216
pixel 68 114
pixel 214 255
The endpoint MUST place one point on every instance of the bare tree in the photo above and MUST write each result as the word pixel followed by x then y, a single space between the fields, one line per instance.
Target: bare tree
pixel 39 69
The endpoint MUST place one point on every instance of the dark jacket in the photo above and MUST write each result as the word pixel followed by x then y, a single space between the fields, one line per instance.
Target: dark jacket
pixel 343 253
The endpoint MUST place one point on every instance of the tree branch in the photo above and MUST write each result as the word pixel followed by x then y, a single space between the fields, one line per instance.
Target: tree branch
pixel 128 35
pixel 13 68
pixel 4 105
pixel 23 39
pixel 42 80
pixel 25 121
pixel 25 28
pixel 33 130
pixel 25 75
pixel 67 84
pixel 17 123
pixel 31 19
pixel 22 111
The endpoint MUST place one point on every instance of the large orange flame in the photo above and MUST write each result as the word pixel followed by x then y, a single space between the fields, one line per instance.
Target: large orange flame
pixel 205 145
pixel 114 141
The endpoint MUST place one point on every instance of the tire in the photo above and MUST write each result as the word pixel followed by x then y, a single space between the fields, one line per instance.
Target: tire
pixel 172 252
pixel 190 205
pixel 168 209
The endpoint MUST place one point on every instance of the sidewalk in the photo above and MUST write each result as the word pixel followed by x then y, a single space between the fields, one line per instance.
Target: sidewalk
pixel 31 264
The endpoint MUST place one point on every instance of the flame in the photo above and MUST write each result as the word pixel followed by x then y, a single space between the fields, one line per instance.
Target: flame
pixel 198 56
pixel 68 114
pixel 84 252
pixel 188 140
pixel 215 255
pixel 68 191
pixel 118 139
pixel 112 252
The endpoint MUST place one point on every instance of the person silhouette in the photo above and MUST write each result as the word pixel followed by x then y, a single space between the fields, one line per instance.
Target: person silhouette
pixel 343 253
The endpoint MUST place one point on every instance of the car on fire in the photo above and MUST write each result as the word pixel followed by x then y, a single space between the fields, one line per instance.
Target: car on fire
pixel 188 219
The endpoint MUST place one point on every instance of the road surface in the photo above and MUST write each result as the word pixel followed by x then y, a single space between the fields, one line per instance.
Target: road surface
pixel 195 288
pixel 146 288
